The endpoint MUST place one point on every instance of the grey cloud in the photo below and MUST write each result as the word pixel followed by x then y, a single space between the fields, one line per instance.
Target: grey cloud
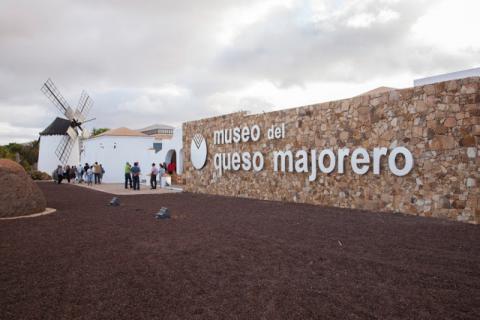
pixel 289 51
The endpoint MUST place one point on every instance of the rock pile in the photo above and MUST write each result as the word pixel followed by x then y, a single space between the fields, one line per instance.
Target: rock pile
pixel 19 195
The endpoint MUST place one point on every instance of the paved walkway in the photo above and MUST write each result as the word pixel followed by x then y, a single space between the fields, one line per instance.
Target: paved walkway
pixel 119 189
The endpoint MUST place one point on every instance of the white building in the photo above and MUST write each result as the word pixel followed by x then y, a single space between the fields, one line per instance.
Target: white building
pixel 475 72
pixel 49 140
pixel 168 144
pixel 115 147
pixel 159 131
pixel 172 149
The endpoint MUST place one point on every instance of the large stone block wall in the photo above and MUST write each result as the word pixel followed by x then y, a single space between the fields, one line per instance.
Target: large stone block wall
pixel 439 124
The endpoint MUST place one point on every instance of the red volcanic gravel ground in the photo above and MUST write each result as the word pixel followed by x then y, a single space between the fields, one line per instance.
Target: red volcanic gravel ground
pixel 228 258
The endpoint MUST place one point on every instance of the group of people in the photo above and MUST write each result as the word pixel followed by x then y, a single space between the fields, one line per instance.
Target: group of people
pixel 132 175
pixel 93 174
pixel 87 173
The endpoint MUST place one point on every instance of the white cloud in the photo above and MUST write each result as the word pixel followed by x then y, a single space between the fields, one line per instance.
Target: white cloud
pixel 386 15
pixel 451 26
pixel 237 18
pixel 361 20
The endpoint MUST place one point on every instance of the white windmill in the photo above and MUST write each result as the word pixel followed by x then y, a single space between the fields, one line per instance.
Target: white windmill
pixel 60 142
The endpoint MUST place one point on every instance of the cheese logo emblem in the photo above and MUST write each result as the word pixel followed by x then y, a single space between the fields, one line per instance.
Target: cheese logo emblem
pixel 198 151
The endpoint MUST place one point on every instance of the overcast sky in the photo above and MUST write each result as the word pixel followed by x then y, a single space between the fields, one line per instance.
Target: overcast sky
pixel 146 62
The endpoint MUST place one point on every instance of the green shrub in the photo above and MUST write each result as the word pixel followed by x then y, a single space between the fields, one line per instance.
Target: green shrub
pixel 39 175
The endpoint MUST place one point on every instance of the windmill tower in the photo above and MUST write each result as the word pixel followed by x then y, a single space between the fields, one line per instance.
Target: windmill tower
pixel 60 142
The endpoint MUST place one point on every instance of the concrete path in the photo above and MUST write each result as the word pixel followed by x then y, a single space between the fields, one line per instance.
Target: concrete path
pixel 119 189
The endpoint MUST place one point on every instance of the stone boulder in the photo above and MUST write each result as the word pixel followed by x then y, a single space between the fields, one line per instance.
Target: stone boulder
pixel 19 195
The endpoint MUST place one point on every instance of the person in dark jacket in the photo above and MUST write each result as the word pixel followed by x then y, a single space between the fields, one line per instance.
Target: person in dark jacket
pixel 66 174
pixel 73 173
pixel 153 177
pixel 102 172
pixel 85 169
pixel 136 176
pixel 59 173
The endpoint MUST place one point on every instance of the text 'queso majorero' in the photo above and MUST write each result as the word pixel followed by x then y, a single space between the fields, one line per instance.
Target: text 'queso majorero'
pixel 312 161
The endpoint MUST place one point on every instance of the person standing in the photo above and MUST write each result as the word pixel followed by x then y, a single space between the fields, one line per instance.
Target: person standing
pixel 85 169
pixel 89 174
pixel 171 168
pixel 136 176
pixel 96 172
pixel 79 173
pixel 73 173
pixel 59 174
pixel 161 173
pixel 161 170
pixel 153 177
pixel 102 172
pixel 67 173
pixel 128 175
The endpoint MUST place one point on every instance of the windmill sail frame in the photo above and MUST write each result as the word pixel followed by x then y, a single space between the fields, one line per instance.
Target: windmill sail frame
pixel 83 108
pixel 76 118
pixel 52 93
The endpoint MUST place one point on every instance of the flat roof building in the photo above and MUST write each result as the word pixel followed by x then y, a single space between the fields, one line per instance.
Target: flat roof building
pixel 475 72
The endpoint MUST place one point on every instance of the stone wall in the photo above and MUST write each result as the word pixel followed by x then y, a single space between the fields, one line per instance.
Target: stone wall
pixel 439 124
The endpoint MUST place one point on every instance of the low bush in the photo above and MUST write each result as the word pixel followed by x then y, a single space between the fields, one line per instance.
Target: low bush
pixel 39 175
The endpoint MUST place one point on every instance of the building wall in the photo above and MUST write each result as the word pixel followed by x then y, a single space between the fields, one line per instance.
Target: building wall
pixel 475 72
pixel 113 152
pixel 175 143
pixel 439 124
pixel 48 160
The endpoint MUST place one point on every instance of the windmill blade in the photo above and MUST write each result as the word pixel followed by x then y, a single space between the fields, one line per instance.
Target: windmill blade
pixel 52 93
pixel 64 148
pixel 84 105
pixel 89 120
pixel 72 132
pixel 80 125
